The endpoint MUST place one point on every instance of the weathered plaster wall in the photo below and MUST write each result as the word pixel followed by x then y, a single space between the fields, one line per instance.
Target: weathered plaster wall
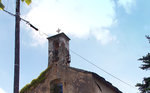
pixel 58 51
pixel 73 81
pixel 104 88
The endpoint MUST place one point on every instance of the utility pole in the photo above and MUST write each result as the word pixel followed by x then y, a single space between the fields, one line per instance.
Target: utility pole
pixel 17 48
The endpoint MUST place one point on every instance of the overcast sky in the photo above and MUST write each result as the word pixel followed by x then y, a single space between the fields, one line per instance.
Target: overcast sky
pixel 110 33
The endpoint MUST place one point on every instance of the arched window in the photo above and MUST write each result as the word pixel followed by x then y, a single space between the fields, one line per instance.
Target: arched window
pixel 56 86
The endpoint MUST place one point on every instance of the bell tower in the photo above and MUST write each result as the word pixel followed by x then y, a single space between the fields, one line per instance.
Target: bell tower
pixel 58 50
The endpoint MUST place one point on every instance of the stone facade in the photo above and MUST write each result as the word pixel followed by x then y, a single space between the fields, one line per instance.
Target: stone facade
pixel 62 78
pixel 58 50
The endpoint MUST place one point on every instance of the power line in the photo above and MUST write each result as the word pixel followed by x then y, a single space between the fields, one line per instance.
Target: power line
pixel 27 22
pixel 36 29
pixel 102 69
pixel 9 12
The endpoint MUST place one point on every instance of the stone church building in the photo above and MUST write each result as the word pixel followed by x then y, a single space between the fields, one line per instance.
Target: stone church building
pixel 59 77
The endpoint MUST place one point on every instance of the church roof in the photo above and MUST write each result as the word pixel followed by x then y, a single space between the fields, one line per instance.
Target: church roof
pixel 96 76
pixel 59 35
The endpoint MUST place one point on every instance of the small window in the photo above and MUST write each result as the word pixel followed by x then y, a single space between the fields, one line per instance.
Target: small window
pixel 56 87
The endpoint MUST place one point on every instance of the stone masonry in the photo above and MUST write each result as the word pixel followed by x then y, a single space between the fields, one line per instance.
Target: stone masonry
pixel 60 76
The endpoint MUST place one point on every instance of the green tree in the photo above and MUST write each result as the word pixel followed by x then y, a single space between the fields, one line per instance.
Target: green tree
pixel 2 6
pixel 144 87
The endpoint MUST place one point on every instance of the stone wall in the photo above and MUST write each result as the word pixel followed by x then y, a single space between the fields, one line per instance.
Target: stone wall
pixel 58 50
pixel 73 81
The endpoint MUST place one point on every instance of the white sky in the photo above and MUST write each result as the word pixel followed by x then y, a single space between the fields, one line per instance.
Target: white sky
pixel 77 18
pixel 2 91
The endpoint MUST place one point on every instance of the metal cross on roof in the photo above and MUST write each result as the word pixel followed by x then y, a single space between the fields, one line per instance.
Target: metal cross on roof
pixel 58 30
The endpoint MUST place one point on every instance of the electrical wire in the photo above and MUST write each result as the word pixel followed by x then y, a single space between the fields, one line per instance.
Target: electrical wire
pixel 90 62
pixel 27 22
pixel 9 12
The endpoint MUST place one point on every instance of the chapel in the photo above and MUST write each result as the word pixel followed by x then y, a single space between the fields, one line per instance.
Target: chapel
pixel 60 77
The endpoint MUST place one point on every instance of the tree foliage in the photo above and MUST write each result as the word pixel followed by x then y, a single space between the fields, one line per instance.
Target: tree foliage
pixel 144 87
pixel 28 2
pixel 146 62
pixel 1 5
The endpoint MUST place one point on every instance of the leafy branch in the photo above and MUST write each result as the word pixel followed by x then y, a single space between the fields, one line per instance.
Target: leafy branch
pixel 28 2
